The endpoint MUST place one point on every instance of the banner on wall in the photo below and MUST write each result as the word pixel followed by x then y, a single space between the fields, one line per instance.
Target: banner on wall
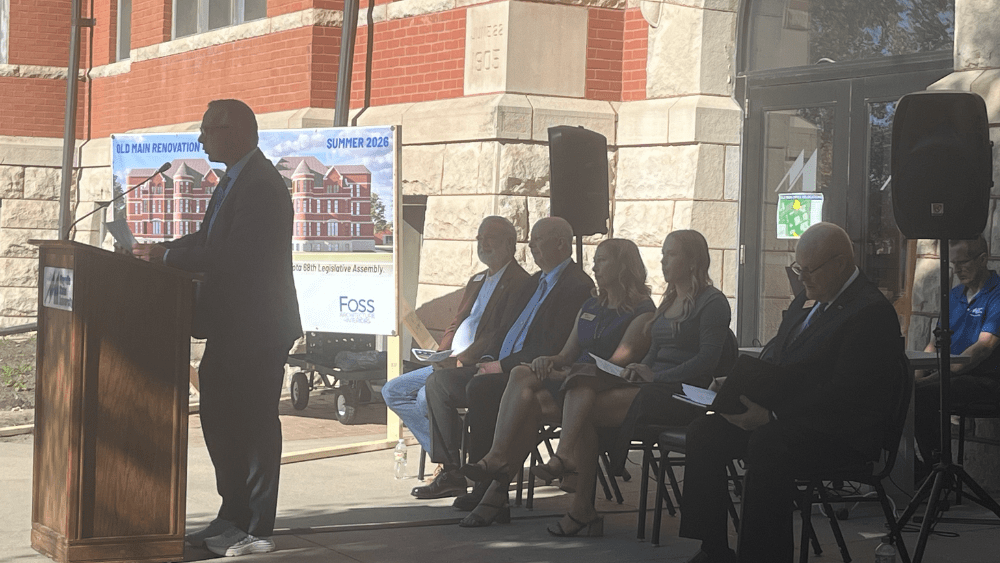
pixel 343 185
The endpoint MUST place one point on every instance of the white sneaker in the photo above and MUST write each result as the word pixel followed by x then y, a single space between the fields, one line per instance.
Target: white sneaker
pixel 221 543
pixel 215 528
pixel 250 544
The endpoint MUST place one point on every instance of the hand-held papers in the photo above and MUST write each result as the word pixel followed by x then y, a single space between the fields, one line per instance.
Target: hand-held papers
pixel 607 366
pixel 431 355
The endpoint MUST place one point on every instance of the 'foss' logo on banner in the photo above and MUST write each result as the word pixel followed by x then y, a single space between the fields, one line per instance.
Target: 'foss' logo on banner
pixel 359 311
pixel 356 305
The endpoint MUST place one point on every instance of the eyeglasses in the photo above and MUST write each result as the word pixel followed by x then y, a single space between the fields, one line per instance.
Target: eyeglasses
pixel 959 264
pixel 798 270
pixel 210 127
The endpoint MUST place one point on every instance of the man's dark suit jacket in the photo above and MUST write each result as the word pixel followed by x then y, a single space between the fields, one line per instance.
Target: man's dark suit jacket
pixel 248 293
pixel 848 363
pixel 553 322
pixel 509 286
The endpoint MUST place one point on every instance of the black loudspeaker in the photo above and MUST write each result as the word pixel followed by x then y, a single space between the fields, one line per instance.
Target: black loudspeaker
pixel 942 165
pixel 578 178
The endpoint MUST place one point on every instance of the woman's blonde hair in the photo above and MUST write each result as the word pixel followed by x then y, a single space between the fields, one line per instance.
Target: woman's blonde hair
pixel 694 247
pixel 628 275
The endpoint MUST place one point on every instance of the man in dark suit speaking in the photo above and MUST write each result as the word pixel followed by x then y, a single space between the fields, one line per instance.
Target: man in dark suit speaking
pixel 840 343
pixel 247 310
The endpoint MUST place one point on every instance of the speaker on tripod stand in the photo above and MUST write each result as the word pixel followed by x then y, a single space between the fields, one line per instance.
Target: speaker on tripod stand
pixel 942 172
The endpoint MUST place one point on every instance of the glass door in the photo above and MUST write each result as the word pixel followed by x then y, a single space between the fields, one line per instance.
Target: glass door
pixel 796 143
pixel 830 140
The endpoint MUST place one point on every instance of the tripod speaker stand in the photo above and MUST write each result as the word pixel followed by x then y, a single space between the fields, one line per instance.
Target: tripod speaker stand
pixel 942 175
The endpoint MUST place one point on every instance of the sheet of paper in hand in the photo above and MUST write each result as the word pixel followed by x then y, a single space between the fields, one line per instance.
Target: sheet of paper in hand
pixel 122 233
pixel 607 366
pixel 762 382
pixel 696 396
pixel 430 355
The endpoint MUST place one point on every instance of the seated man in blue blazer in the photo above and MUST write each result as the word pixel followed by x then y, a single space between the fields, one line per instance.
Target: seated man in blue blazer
pixel 840 340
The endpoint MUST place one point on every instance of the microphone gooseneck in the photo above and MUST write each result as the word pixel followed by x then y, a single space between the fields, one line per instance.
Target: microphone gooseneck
pixel 104 204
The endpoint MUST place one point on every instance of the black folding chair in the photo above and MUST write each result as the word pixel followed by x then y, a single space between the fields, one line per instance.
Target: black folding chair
pixel 815 490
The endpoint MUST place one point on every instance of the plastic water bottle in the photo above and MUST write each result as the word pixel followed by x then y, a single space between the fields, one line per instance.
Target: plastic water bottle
pixel 400 464
pixel 885 552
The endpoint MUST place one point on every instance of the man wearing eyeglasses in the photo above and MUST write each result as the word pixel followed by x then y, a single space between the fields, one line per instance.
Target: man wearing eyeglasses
pixel 248 312
pixel 974 307
pixel 839 343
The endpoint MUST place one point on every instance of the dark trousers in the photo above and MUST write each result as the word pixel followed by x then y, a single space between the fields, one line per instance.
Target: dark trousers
pixel 240 388
pixel 965 389
pixel 774 455
pixel 451 389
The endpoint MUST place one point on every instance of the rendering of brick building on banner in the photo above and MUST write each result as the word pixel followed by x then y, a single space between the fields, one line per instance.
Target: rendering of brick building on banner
pixel 712 109
pixel 332 203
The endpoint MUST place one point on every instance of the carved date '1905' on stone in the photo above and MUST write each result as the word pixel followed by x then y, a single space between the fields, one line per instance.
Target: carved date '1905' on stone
pixel 487 60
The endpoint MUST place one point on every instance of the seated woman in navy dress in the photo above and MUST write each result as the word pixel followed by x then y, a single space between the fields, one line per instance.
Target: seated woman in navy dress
pixel 610 325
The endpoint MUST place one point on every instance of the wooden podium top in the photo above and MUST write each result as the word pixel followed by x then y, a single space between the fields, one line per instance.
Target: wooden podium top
pixel 74 246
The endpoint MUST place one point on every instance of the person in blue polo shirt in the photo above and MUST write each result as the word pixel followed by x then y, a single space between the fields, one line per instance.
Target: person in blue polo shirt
pixel 975 321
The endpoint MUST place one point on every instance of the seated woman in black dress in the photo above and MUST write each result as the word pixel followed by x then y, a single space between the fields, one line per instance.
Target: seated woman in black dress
pixel 689 333
pixel 610 325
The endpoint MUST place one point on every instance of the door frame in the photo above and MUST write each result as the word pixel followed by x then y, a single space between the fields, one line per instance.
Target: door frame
pixel 848 88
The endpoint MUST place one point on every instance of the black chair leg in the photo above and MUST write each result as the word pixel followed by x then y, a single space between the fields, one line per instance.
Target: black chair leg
pixel 604 482
pixel 834 525
pixel 520 486
pixel 420 468
pixel 611 478
pixel 890 521
pixel 961 456
pixel 661 493
pixel 535 460
pixel 644 492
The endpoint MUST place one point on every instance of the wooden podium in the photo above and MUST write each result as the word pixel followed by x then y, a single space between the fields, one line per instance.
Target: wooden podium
pixel 111 406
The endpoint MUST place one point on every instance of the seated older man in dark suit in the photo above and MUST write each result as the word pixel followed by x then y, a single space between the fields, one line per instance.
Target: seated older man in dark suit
pixel 538 323
pixel 843 348
pixel 484 303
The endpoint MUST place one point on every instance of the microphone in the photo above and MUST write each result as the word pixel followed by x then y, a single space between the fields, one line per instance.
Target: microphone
pixel 104 204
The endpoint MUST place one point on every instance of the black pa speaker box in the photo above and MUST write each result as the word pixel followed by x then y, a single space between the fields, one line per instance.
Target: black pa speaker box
pixel 942 165
pixel 578 178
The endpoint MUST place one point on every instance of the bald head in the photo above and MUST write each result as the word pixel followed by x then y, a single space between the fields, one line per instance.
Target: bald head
pixel 825 257
pixel 551 242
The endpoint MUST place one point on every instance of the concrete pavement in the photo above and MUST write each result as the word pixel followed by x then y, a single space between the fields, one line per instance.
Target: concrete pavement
pixel 351 509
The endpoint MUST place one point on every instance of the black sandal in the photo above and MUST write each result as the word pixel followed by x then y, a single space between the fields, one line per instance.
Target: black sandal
pixel 548 473
pixel 500 514
pixel 592 529
pixel 482 474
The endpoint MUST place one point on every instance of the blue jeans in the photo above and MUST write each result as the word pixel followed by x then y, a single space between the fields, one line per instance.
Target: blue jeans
pixel 406 397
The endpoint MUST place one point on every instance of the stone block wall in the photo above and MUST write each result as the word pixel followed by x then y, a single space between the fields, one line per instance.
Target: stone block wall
pixel 30 182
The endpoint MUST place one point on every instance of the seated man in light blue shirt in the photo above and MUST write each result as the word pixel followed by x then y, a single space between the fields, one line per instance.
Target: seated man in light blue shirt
pixel 479 315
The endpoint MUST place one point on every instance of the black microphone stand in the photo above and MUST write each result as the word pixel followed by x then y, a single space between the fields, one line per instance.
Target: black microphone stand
pixel 105 204
pixel 945 473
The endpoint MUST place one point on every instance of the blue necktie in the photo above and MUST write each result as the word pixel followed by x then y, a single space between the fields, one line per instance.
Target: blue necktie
pixel 221 189
pixel 810 318
pixel 515 336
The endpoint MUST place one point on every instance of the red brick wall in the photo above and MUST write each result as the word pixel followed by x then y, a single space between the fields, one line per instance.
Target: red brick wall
pixel 414 60
pixel 39 32
pixel 151 22
pixel 605 30
pixel 178 88
pixel 634 56
pixel 33 107
pixel 105 32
